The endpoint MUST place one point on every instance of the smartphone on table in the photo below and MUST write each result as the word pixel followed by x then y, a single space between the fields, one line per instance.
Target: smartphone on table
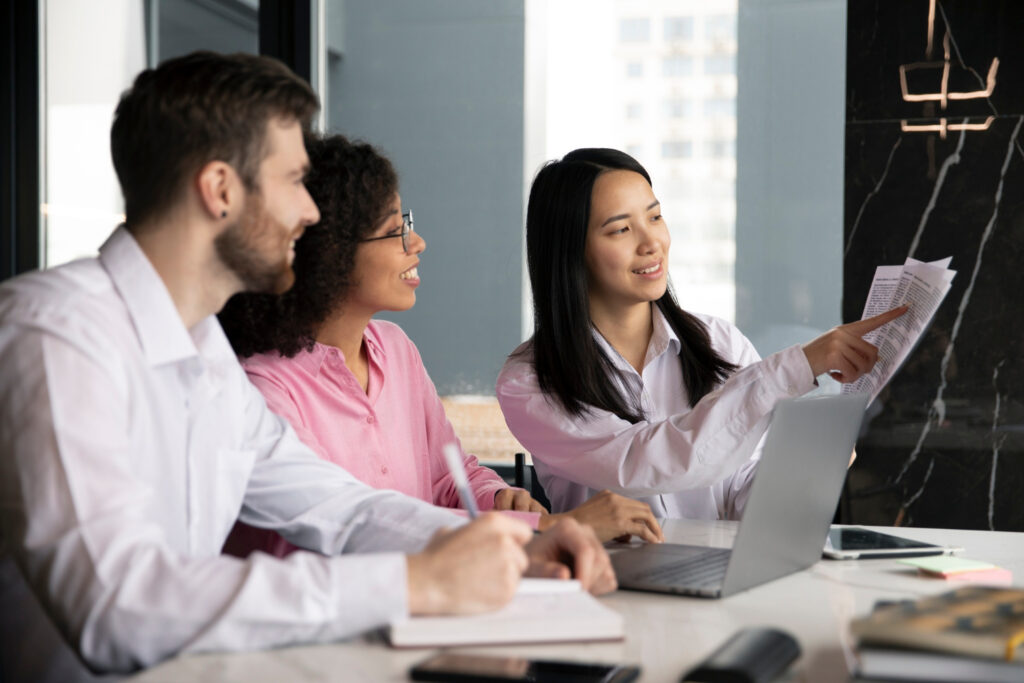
pixel 459 668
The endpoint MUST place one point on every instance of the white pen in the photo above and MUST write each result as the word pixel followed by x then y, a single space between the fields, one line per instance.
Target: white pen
pixel 451 455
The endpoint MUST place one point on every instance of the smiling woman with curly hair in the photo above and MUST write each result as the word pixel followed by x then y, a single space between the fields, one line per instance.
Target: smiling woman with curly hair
pixel 353 186
pixel 355 388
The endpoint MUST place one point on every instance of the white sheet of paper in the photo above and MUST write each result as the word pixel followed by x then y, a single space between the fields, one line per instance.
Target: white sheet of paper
pixel 921 285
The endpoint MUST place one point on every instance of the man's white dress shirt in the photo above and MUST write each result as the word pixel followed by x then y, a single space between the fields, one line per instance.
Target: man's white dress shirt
pixel 130 445
pixel 684 462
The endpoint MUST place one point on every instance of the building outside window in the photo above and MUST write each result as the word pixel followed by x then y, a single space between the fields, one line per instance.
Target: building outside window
pixel 677 149
pixel 720 65
pixel 677 65
pixel 678 108
pixel 635 30
pixel 720 149
pixel 678 28
pixel 720 27
pixel 689 147
pixel 719 107
pixel 91 55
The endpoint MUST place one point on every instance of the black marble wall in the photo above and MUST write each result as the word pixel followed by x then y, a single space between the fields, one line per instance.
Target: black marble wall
pixel 944 444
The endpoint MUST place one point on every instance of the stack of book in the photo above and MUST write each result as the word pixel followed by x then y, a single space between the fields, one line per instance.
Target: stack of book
pixel 971 634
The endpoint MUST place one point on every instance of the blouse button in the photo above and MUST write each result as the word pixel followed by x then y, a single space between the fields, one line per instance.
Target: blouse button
pixel 383 469
pixel 369 419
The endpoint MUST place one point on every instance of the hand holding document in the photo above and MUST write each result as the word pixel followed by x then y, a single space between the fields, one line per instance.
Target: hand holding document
pixel 842 352
pixel 922 287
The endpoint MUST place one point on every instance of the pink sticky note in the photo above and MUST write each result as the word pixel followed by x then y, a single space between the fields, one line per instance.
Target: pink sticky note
pixel 997 576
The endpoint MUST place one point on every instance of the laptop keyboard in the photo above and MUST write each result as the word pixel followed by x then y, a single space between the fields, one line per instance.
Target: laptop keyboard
pixel 706 569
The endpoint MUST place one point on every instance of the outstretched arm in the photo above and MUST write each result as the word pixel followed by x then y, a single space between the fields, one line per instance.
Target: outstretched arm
pixel 685 451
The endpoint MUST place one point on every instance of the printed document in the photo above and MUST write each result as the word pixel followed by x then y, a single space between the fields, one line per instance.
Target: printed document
pixel 922 286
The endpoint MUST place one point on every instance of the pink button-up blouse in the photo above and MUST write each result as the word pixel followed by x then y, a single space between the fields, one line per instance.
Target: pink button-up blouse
pixel 389 437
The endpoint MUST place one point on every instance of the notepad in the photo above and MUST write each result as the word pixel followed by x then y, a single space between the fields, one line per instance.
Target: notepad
pixel 542 611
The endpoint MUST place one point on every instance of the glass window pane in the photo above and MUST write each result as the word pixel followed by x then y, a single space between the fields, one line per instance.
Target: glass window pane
pixel 689 143
pixel 720 27
pixel 720 149
pixel 634 30
pixel 678 108
pixel 679 28
pixel 720 65
pixel 677 65
pixel 221 25
pixel 82 201
pixel 719 107
pixel 677 149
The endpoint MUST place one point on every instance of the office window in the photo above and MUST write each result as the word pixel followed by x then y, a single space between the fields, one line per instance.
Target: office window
pixel 719 230
pixel 634 110
pixel 88 66
pixel 635 30
pixel 679 28
pixel 678 108
pixel 669 138
pixel 720 27
pixel 720 189
pixel 719 107
pixel 720 149
pixel 81 199
pixel 677 65
pixel 677 149
pixel 720 65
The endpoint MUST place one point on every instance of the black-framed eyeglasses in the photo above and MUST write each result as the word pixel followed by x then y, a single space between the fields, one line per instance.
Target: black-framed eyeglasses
pixel 406 229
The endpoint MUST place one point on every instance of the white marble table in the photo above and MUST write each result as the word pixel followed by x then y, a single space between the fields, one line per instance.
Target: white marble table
pixel 666 634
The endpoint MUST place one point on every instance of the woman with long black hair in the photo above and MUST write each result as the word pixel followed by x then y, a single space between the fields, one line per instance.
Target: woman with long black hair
pixel 619 388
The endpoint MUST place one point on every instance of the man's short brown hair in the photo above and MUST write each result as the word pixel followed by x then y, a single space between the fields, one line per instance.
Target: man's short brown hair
pixel 195 109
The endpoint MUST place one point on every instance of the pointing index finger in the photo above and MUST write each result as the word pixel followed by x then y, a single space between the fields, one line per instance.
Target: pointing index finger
pixel 862 327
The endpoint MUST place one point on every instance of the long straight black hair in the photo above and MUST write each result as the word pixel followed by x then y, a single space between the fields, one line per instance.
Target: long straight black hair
pixel 570 364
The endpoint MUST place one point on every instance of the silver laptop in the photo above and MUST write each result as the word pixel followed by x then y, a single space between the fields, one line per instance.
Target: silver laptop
pixel 787 516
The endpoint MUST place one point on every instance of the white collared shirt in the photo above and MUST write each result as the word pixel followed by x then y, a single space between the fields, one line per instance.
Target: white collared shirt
pixel 130 445
pixel 684 462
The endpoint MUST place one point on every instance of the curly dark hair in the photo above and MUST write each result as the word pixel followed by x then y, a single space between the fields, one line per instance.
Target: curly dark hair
pixel 352 184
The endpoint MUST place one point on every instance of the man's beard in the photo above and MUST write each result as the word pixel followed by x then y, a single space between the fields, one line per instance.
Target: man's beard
pixel 238 248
